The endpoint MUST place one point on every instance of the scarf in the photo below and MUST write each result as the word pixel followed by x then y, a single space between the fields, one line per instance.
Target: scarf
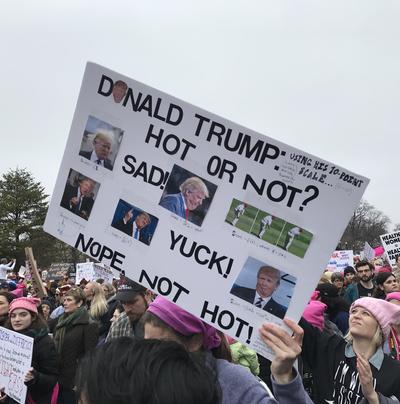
pixel 36 333
pixel 65 323
pixel 394 344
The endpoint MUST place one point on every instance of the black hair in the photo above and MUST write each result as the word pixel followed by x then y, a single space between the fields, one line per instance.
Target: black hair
pixel 119 306
pixel 128 371
pixel 9 296
pixel 363 264
pixel 329 294
pixel 380 279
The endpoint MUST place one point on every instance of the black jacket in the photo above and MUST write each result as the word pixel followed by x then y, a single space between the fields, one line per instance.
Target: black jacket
pixel 335 375
pixel 79 339
pixel 45 364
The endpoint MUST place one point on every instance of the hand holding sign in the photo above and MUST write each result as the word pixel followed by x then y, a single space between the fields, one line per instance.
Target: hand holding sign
pixel 30 375
pixel 286 348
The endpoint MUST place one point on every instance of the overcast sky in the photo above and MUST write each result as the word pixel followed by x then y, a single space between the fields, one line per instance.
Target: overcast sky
pixel 319 75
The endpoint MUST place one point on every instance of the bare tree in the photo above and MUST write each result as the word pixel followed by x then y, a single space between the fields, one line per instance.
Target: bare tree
pixel 366 224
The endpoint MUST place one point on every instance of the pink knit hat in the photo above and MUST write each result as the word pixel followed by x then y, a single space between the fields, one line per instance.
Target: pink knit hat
pixel 385 313
pixel 393 296
pixel 27 303
pixel 184 322
pixel 314 313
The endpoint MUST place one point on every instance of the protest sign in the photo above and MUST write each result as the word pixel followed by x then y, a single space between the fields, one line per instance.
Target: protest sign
pixel 368 252
pixel 22 272
pixel 60 270
pixel 91 271
pixel 192 205
pixel 391 244
pixel 15 361
pixel 340 260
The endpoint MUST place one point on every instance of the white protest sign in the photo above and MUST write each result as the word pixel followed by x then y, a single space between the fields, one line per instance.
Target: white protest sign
pixel 91 271
pixel 15 361
pixel 340 260
pixel 391 244
pixel 369 252
pixel 165 204
pixel 22 271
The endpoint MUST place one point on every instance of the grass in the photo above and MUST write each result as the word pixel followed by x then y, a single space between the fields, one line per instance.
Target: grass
pixel 276 234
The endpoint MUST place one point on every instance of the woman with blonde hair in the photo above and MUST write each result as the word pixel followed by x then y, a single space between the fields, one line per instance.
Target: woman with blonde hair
pixel 354 368
pixel 97 306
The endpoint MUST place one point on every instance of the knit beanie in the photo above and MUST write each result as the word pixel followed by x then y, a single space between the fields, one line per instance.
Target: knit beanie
pixel 393 296
pixel 27 303
pixel 184 322
pixel 385 313
pixel 314 313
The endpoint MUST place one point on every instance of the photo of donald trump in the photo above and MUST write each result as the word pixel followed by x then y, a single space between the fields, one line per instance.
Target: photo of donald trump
pixel 265 287
pixel 100 143
pixel 193 200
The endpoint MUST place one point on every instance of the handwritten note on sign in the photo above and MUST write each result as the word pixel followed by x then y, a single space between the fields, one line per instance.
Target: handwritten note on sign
pixel 15 360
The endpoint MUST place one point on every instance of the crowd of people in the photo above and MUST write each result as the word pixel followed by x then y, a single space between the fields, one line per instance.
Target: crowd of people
pixel 119 343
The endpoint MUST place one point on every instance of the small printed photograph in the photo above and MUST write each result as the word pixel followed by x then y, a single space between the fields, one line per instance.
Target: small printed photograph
pixel 79 194
pixel 187 195
pixel 268 227
pixel 100 142
pixel 241 215
pixel 134 222
pixel 119 90
pixel 294 239
pixel 265 287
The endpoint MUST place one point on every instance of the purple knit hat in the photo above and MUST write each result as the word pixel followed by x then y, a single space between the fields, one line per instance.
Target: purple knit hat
pixel 385 313
pixel 183 322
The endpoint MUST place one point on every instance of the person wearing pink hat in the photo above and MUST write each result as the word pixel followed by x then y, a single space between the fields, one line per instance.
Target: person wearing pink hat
pixel 41 378
pixel 350 369
pixel 393 342
pixel 166 321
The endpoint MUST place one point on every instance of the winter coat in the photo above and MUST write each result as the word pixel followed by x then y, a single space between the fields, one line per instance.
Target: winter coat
pixel 78 340
pixel 45 365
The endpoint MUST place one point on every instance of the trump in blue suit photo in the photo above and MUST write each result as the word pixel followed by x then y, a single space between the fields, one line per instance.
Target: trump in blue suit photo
pixel 268 281
pixel 193 192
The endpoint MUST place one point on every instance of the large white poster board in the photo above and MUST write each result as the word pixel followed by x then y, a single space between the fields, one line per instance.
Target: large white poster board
pixel 15 361
pixel 339 260
pixel 91 271
pixel 214 202
pixel 391 244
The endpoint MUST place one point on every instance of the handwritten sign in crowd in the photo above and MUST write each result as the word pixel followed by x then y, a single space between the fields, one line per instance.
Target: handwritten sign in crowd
pixel 15 361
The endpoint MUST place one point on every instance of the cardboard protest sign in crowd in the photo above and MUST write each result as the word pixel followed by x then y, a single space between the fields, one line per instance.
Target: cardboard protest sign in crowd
pixel 391 244
pixel 15 360
pixel 197 208
pixel 91 271
pixel 340 260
